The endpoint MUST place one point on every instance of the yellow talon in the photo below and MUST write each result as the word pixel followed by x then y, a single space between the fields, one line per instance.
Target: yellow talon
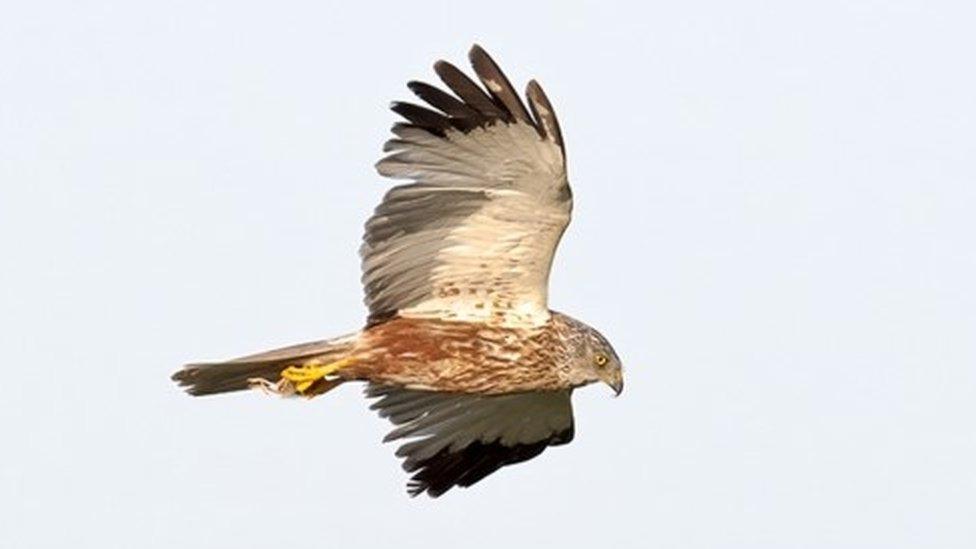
pixel 302 377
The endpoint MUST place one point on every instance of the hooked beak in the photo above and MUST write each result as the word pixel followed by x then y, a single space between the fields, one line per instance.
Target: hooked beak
pixel 616 382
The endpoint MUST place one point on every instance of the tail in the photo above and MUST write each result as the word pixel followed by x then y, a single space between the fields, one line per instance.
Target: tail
pixel 262 369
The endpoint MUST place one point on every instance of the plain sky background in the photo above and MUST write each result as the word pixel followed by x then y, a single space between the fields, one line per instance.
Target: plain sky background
pixel 774 225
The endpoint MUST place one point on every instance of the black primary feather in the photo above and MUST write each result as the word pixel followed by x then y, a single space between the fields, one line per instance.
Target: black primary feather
pixel 545 116
pixel 431 121
pixel 461 115
pixel 418 413
pixel 472 106
pixel 497 84
pixel 467 90
pixel 446 469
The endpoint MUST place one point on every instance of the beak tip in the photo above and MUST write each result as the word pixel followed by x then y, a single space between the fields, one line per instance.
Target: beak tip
pixel 616 382
pixel 617 388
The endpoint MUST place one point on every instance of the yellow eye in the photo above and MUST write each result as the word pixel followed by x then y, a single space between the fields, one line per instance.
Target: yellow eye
pixel 601 360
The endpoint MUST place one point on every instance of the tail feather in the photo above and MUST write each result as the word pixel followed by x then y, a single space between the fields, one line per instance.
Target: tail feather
pixel 224 377
pixel 210 378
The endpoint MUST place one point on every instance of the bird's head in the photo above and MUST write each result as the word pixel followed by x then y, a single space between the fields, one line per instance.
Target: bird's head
pixel 595 360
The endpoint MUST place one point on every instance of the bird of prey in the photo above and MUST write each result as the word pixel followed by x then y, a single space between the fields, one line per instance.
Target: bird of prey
pixel 460 349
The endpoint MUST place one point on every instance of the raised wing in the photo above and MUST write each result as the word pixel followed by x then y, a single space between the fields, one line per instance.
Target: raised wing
pixel 473 237
pixel 459 439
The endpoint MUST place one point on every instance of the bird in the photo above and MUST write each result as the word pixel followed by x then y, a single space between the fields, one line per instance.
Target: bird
pixel 460 350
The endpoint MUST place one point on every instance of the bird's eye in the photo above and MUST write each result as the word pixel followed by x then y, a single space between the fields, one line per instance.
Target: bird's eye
pixel 601 360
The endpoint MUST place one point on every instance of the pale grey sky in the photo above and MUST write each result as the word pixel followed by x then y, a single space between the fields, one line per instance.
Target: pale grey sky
pixel 774 225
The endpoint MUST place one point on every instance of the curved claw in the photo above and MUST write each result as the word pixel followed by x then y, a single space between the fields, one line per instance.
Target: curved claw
pixel 304 376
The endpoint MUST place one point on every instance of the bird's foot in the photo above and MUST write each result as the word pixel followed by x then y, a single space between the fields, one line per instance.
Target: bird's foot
pixel 308 380
pixel 300 379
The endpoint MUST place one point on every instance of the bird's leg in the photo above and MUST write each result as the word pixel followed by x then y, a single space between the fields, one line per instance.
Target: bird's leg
pixel 307 379
pixel 301 378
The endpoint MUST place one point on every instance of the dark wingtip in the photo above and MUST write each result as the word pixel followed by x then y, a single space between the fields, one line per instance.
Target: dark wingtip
pixel 462 468
pixel 431 121
pixel 475 51
pixel 498 85
pixel 545 116
pixel 441 66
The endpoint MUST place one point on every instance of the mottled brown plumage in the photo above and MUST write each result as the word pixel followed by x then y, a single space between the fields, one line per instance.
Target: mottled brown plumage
pixel 462 357
pixel 460 348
